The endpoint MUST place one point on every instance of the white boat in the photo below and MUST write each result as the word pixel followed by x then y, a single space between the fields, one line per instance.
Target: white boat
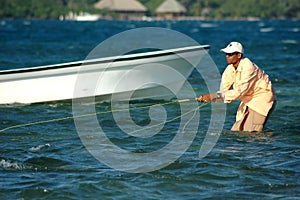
pixel 87 17
pixel 82 16
pixel 139 75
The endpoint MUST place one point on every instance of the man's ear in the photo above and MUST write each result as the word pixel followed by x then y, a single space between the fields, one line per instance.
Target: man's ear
pixel 240 55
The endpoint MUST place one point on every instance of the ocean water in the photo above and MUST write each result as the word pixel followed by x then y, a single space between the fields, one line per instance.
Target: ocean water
pixel 49 161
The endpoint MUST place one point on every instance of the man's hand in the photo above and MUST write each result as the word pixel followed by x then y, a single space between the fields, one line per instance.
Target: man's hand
pixel 209 97
pixel 206 98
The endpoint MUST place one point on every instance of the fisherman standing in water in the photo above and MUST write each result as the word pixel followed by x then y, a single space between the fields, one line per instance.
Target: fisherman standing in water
pixel 244 80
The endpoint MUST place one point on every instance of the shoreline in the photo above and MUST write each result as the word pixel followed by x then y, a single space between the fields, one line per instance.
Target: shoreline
pixel 150 19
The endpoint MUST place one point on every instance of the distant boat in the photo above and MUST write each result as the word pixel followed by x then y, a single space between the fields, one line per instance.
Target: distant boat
pixel 147 78
pixel 82 16
pixel 87 17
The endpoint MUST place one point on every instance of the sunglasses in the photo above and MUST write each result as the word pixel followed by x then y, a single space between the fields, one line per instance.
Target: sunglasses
pixel 231 54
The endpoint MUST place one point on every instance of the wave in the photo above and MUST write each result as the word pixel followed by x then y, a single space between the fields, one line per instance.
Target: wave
pixel 44 162
pixel 39 147
pixel 295 29
pixel 7 164
pixel 289 41
pixel 208 25
pixel 266 30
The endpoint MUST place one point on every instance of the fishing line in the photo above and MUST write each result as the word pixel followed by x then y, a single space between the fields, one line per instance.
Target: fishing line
pixel 173 119
pixel 112 111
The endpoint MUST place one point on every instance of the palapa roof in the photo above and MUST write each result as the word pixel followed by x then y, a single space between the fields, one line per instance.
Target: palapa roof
pixel 171 6
pixel 121 5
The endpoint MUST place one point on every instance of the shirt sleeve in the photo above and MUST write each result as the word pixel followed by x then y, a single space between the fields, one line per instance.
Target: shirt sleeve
pixel 227 79
pixel 245 78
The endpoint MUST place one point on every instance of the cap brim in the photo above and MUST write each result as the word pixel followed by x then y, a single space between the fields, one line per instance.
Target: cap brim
pixel 226 50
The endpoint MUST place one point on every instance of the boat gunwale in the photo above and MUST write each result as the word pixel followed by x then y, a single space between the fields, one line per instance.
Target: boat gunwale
pixel 108 59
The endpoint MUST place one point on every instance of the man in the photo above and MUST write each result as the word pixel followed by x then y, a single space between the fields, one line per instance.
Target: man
pixel 244 80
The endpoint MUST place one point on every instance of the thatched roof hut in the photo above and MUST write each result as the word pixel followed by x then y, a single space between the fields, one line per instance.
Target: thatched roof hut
pixel 126 9
pixel 170 9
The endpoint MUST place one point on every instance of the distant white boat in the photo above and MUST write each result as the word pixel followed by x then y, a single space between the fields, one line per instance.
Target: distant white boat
pixel 87 17
pixel 82 16
pixel 142 74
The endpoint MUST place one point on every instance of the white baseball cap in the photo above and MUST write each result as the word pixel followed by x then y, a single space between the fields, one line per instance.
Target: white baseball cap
pixel 233 47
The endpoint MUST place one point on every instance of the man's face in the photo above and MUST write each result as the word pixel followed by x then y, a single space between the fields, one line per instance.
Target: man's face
pixel 233 58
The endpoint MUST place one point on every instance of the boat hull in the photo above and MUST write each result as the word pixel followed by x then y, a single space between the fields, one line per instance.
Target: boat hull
pixel 151 75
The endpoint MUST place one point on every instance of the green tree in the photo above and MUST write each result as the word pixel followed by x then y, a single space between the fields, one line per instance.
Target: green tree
pixel 217 9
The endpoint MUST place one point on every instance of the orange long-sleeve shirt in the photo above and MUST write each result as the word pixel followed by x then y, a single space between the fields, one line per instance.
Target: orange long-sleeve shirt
pixel 250 84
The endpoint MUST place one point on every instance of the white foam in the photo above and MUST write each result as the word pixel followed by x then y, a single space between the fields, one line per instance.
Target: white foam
pixel 265 30
pixel 208 25
pixel 295 29
pixel 9 164
pixel 39 147
pixel 289 41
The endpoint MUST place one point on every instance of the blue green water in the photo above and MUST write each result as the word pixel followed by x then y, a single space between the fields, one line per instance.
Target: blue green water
pixel 49 161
